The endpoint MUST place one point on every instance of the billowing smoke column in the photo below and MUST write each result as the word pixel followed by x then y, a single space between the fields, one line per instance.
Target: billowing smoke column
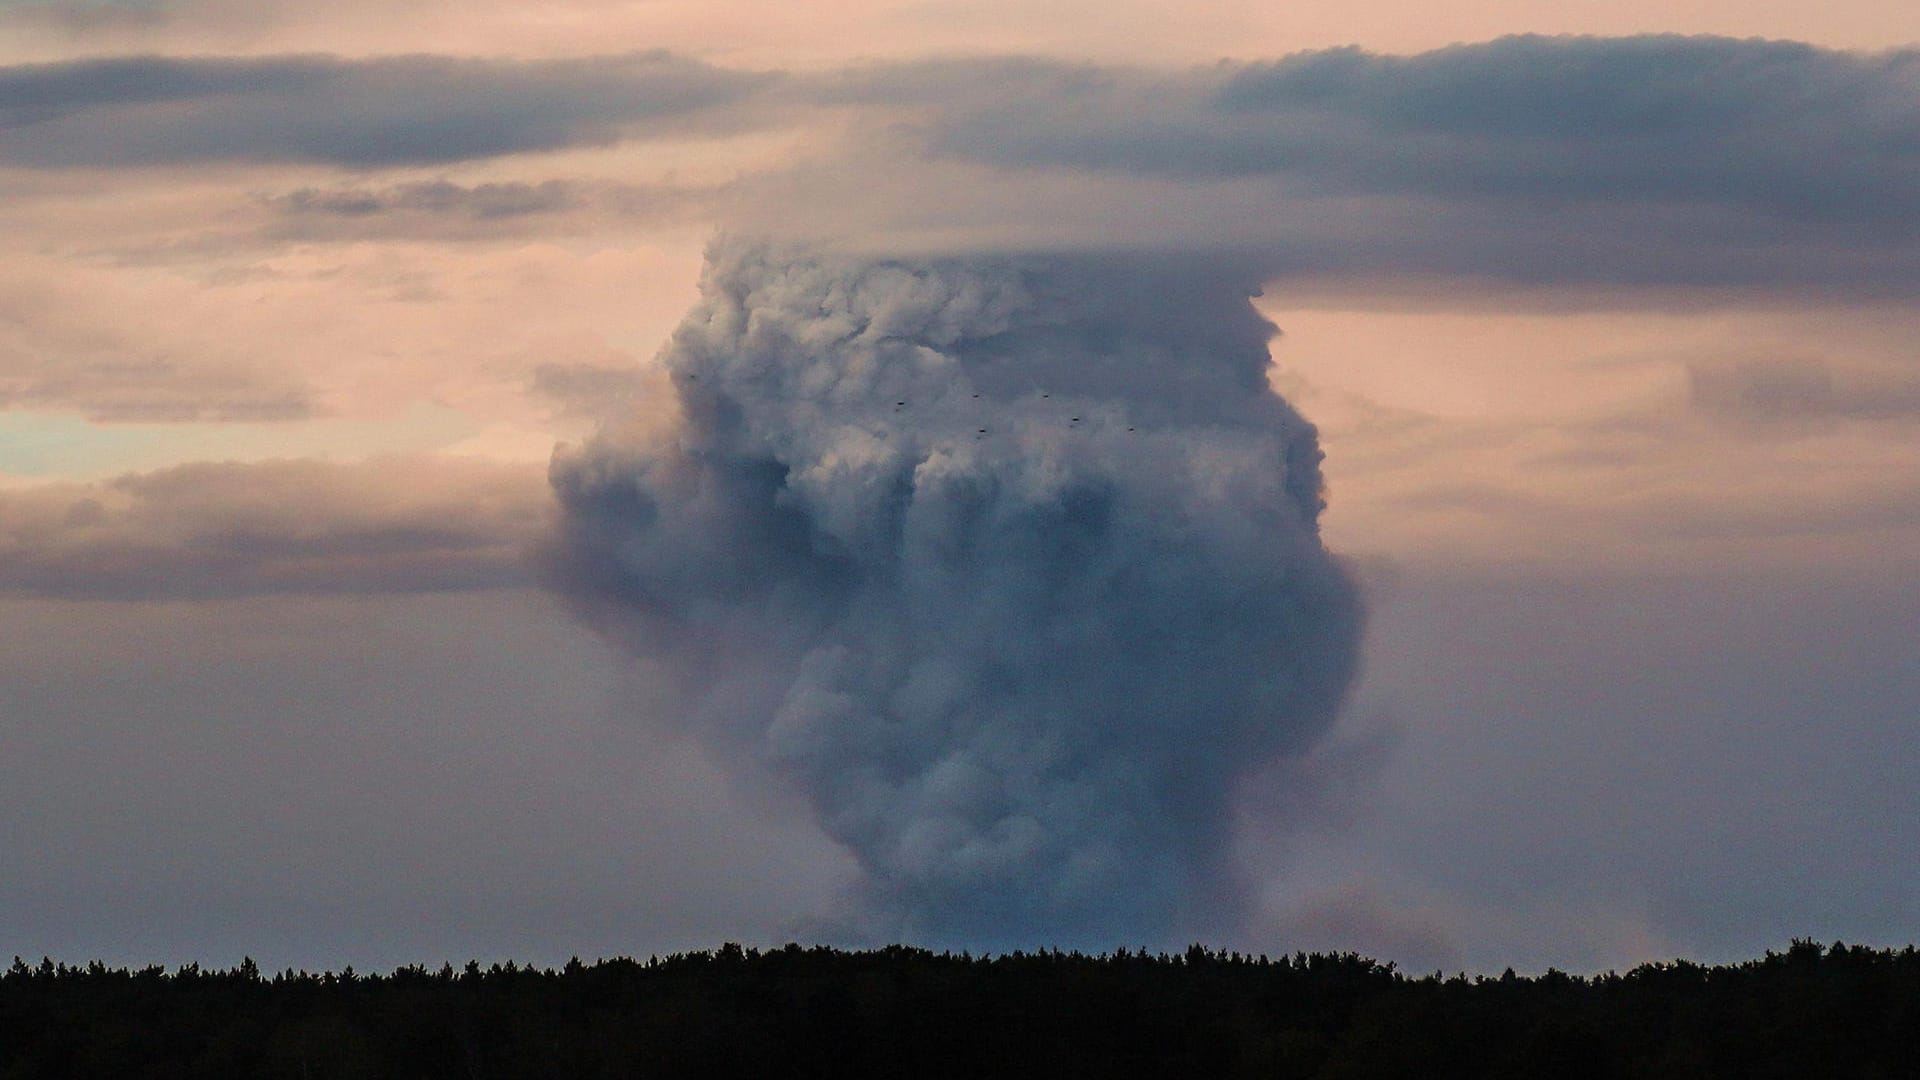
pixel 1012 564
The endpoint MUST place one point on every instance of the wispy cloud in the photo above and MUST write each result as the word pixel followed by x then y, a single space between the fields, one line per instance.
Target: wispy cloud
pixel 1771 390
pixel 212 530
pixel 443 210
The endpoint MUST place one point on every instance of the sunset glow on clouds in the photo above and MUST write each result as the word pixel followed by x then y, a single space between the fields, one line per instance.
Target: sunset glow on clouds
pixel 1610 342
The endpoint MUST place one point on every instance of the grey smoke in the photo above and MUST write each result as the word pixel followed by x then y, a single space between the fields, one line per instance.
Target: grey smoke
pixel 1016 662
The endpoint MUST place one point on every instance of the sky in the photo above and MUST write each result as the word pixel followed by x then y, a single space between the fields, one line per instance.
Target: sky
pixel 343 347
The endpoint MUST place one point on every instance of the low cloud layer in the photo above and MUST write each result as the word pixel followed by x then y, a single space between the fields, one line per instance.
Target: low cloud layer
pixel 1013 566
pixel 216 530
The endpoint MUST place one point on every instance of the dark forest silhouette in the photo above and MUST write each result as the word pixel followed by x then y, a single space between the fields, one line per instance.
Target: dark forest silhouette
pixel 905 1012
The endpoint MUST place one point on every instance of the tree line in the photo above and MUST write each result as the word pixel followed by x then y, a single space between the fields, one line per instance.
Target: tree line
pixel 904 1012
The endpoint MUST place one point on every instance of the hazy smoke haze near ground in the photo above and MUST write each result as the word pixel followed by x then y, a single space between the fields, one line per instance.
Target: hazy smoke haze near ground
pixel 1012 565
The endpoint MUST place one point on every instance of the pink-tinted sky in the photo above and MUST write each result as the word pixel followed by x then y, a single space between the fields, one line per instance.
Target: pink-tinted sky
pixel 1610 342
pixel 746 32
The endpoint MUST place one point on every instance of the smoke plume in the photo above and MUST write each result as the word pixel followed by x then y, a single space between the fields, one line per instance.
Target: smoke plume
pixel 1012 565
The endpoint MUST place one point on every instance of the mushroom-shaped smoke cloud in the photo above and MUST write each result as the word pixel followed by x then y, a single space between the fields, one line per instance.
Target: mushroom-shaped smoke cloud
pixel 1012 564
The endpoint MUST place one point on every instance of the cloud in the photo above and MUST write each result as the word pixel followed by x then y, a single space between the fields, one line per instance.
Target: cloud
pixel 375 328
pixel 87 339
pixel 1011 565
pixel 214 530
pixel 1782 129
pixel 371 113
pixel 481 201
pixel 445 210
pixel 75 17
pixel 1138 31
pixel 611 394
pixel 1783 389
pixel 1658 161
pixel 1661 162
pixel 149 390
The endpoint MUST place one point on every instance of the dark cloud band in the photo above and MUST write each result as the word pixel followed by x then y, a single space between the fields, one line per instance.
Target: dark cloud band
pixel 404 110
pixel 1781 127
pixel 1776 127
